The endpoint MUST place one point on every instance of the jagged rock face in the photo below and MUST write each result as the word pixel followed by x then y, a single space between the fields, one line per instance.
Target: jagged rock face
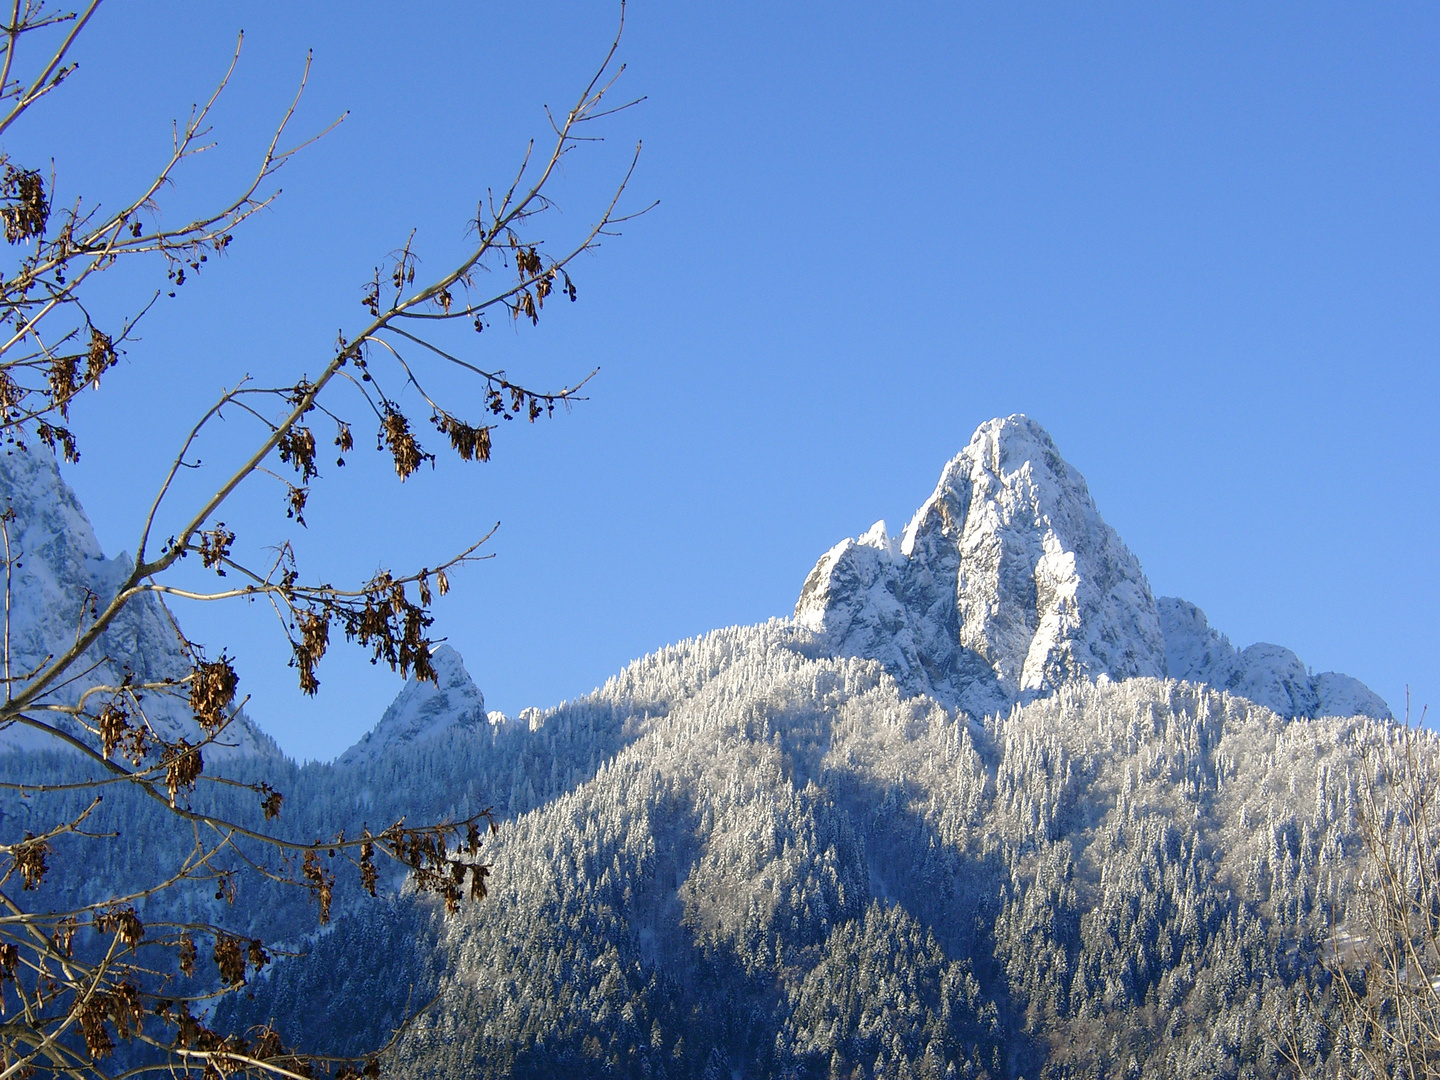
pixel 424 710
pixel 59 572
pixel 1006 584
pixel 1266 674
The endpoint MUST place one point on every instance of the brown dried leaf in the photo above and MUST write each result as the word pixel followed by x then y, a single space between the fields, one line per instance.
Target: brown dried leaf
pixel 321 884
pixel 187 955
pixel 395 430
pixel 29 210
pixel 100 357
pixel 123 923
pixel 229 960
pixel 212 689
pixel 215 547
pixel 183 766
pixel 29 856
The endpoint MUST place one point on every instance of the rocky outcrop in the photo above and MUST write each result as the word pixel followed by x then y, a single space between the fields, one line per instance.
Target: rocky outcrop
pixel 1266 674
pixel 1006 584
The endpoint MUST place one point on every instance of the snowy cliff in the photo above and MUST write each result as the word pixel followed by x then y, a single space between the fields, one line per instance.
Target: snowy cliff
pixel 1007 584
pixel 59 577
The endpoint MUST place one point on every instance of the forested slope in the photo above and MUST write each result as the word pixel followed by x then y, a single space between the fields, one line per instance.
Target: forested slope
pixel 782 865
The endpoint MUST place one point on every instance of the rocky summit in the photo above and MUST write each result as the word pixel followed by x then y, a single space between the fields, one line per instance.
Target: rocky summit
pixel 1007 584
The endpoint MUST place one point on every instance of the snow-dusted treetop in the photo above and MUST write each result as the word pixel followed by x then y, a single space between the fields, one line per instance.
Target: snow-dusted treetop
pixel 1007 583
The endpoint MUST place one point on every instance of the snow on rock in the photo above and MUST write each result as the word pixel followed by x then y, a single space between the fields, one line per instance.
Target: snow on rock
pixel 1193 649
pixel 1343 695
pixel 59 576
pixel 1266 674
pixel 422 710
pixel 1007 584
pixel 1273 675
pixel 500 722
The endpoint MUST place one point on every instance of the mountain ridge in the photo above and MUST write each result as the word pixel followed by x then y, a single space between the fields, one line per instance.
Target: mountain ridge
pixel 1005 583
pixel 810 847
pixel 781 863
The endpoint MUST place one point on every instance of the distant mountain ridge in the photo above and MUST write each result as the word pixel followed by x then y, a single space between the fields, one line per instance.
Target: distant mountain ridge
pixel 1268 675
pixel 1006 585
pixel 423 710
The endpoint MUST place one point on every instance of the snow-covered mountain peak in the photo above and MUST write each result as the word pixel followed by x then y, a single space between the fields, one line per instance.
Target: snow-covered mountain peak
pixel 878 538
pixel 1007 584
pixel 1010 462
pixel 423 710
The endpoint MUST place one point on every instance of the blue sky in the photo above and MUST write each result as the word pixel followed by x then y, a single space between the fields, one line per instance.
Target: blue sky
pixel 1197 242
